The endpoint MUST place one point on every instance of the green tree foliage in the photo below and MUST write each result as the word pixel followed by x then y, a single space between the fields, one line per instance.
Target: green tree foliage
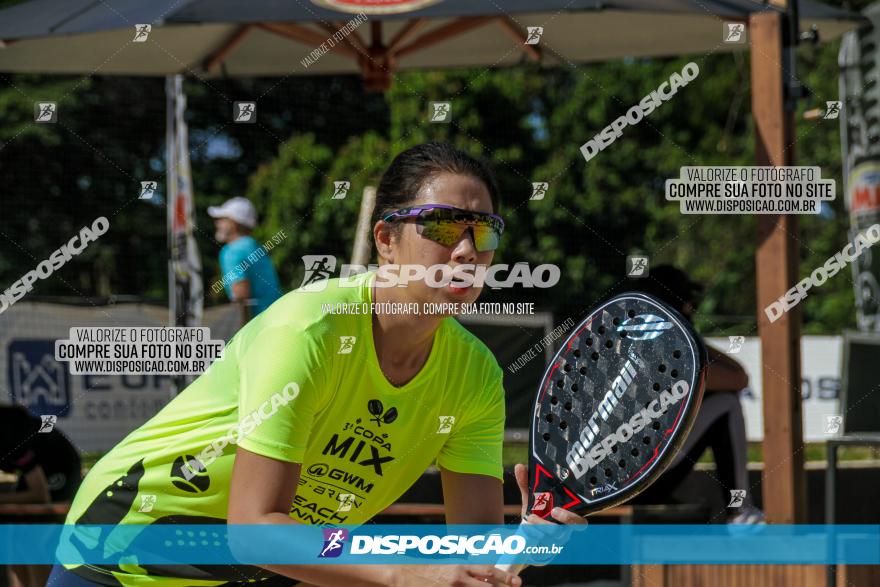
pixel 527 121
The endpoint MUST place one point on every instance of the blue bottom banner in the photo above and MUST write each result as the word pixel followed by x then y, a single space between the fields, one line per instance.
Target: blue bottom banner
pixel 169 544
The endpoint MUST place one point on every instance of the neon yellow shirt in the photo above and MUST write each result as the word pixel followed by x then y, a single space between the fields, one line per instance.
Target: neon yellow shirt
pixel 301 385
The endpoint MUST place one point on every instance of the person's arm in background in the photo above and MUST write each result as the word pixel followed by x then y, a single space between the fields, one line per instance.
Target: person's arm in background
pixel 241 295
pixel 37 489
pixel 233 265
pixel 725 374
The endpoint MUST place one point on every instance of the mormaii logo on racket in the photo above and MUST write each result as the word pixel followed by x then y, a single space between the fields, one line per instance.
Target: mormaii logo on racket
pixel 608 404
pixel 580 461
pixel 644 327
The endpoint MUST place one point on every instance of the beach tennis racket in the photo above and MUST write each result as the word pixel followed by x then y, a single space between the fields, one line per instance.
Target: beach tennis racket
pixel 614 406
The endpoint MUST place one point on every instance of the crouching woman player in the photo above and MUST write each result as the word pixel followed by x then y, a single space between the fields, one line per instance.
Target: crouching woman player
pixel 367 403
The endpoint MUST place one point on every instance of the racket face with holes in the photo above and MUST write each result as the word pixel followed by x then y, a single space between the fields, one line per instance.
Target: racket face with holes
pixel 614 405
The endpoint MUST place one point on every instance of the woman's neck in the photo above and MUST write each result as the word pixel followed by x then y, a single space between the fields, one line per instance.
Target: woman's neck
pixel 403 341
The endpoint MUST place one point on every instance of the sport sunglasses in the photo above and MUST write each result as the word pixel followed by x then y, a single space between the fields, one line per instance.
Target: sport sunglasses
pixel 445 224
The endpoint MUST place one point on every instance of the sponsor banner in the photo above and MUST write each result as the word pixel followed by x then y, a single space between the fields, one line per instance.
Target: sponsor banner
pixel 821 363
pixel 94 411
pixel 861 158
pixel 864 209
pixel 432 544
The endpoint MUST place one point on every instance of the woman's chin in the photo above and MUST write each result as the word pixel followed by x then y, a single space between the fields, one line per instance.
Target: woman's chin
pixel 461 295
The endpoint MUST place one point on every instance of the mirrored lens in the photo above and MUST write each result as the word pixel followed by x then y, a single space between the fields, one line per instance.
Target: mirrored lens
pixel 447 233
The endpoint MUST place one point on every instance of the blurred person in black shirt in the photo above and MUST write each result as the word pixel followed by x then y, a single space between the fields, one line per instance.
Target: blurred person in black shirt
pixel 720 424
pixel 48 469
pixel 47 464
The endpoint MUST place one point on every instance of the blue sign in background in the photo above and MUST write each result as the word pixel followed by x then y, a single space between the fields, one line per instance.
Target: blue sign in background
pixel 301 544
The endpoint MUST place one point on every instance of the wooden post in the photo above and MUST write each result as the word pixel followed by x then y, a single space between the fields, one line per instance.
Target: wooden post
pixel 363 244
pixel 776 260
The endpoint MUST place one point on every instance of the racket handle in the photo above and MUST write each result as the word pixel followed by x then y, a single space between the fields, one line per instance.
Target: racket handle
pixel 515 568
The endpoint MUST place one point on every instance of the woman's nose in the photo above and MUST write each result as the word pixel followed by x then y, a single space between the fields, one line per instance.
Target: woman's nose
pixel 465 251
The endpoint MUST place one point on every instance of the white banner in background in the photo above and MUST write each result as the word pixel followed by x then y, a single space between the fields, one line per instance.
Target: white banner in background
pixel 821 362
pixel 94 411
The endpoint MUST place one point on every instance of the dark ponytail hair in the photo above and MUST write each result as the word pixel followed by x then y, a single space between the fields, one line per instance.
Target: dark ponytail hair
pixel 401 182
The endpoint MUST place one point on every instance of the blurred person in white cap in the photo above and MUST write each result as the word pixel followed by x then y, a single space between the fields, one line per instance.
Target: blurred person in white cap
pixel 249 277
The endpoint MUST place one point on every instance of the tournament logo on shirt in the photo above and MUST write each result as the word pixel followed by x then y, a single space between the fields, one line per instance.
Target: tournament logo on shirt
pixel 362 445
pixel 379 414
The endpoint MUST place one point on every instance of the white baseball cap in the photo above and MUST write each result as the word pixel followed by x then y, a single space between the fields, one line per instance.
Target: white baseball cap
pixel 239 209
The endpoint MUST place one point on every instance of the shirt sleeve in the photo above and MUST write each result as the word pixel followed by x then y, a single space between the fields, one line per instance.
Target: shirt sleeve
pixel 475 445
pixel 232 263
pixel 282 388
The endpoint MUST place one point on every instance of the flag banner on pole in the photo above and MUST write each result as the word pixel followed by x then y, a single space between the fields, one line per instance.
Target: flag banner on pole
pixel 859 122
pixel 185 266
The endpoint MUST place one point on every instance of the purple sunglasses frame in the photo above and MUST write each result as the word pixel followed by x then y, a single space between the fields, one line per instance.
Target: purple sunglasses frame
pixel 416 211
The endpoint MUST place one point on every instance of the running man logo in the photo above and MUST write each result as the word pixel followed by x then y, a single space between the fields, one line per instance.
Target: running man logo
pixel 737 496
pixel 245 112
pixel 148 502
pixel 637 266
pixel 833 424
pixel 340 189
pixel 318 269
pixel 440 112
pixel 734 32
pixel 736 344
pixel 539 190
pixel 148 188
pixel 543 503
pixel 334 539
pixel 534 34
pixel 45 112
pixel 446 423
pixel 346 345
pixel 36 380
pixel 346 500
pixel 644 327
pixel 141 32
pixel 832 110
pixel 47 424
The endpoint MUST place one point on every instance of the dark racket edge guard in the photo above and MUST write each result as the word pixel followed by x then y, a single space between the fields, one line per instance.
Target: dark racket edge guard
pixel 630 350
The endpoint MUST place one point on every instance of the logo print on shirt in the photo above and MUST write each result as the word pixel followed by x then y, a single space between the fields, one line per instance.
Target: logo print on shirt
pixel 337 449
pixel 376 408
pixel 194 479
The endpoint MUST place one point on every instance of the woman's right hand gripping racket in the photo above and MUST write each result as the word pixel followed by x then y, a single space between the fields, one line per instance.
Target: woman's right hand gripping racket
pixel 614 406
